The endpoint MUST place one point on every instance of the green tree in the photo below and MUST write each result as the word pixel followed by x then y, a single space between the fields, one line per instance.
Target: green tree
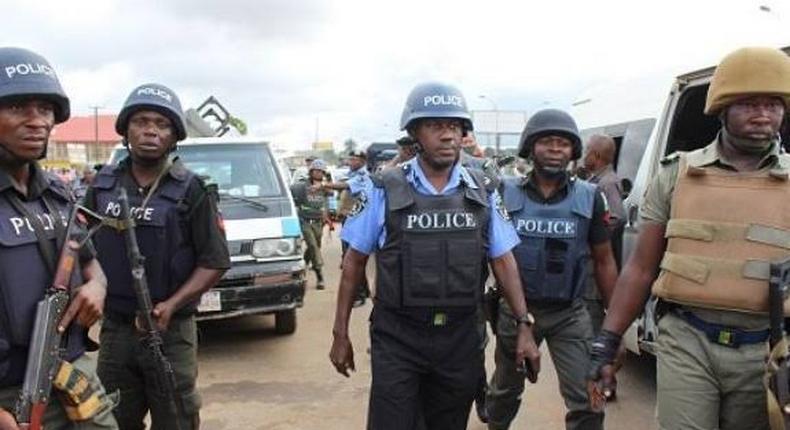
pixel 349 145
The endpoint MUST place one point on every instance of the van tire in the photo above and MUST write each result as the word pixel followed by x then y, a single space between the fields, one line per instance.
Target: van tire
pixel 285 322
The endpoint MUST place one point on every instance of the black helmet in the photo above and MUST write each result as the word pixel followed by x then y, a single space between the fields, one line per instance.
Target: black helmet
pixel 25 73
pixel 155 97
pixel 550 122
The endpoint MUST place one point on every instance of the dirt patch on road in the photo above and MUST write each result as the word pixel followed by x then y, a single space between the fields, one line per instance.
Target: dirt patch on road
pixel 267 392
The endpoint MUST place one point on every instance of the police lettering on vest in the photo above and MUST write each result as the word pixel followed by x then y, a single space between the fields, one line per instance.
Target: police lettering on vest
pixel 560 227
pixel 148 91
pixel 140 214
pixel 24 69
pixel 46 219
pixel 441 221
pixel 443 100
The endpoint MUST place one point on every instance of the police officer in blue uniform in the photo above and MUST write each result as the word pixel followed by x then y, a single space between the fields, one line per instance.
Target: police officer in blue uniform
pixel 434 225
pixel 33 209
pixel 358 180
pixel 180 234
pixel 561 221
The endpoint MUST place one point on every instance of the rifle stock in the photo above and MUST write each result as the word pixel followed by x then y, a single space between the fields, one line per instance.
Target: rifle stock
pixel 152 338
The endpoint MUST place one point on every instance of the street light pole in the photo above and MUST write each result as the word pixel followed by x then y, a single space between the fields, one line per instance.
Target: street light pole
pixel 496 121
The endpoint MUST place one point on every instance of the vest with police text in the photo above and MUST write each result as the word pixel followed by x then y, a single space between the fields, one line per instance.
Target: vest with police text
pixel 162 235
pixel 554 250
pixel 435 252
pixel 25 277
pixel 724 229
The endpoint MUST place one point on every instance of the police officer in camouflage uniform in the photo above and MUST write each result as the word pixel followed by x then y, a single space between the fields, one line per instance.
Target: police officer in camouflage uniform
pixel 433 225
pixel 561 221
pixel 312 202
pixel 712 219
pixel 33 207
pixel 180 234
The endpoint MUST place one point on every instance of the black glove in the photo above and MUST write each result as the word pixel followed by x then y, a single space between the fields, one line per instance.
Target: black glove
pixel 604 352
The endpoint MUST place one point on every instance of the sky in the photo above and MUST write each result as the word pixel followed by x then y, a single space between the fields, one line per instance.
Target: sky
pixel 295 70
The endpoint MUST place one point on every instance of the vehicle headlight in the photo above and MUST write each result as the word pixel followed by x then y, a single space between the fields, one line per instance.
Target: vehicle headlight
pixel 266 248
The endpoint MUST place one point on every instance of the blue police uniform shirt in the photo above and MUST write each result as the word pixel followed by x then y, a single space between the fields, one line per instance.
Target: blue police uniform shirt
pixel 365 230
pixel 359 180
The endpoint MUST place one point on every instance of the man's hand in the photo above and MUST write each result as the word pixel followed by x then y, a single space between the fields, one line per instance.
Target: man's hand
pixel 601 375
pixel 163 312
pixel 7 421
pixel 527 353
pixel 342 355
pixel 87 305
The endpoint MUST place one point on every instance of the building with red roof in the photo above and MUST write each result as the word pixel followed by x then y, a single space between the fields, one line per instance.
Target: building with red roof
pixel 84 140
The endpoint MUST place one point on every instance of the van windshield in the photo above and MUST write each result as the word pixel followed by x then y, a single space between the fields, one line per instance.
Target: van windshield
pixel 240 170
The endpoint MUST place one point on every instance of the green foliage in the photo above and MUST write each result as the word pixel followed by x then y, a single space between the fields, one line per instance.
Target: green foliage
pixel 349 145
pixel 238 124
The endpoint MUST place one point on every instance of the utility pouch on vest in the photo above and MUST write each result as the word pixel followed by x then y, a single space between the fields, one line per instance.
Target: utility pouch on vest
pixel 79 397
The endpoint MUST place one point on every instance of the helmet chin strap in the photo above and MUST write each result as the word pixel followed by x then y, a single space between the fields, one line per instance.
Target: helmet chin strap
pixel 745 144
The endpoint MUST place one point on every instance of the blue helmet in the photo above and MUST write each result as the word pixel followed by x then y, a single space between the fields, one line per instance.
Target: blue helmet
pixel 549 122
pixel 435 100
pixel 318 164
pixel 25 73
pixel 154 97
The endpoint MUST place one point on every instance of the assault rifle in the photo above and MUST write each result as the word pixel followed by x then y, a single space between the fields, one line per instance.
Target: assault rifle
pixel 779 360
pixel 46 349
pixel 152 338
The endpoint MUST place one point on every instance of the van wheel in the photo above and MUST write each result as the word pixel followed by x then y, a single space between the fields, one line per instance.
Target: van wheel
pixel 285 322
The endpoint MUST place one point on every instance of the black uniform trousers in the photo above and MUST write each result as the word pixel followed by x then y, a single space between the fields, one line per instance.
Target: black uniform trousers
pixel 426 366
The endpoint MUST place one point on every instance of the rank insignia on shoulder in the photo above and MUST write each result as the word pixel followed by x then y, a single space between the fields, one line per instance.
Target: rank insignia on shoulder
pixel 499 205
pixel 360 202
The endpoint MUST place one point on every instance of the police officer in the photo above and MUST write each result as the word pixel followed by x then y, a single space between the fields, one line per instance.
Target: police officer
pixel 561 221
pixel 312 202
pixel 180 234
pixel 711 219
pixel 434 225
pixel 33 205
pixel 358 180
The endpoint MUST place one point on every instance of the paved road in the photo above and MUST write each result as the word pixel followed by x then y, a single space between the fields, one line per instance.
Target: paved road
pixel 250 378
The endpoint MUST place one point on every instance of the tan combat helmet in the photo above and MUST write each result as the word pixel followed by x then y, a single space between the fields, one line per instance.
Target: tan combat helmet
pixel 749 71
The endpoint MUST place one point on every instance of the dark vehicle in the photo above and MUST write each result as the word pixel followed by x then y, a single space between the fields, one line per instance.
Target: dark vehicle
pixel 267 274
pixel 380 152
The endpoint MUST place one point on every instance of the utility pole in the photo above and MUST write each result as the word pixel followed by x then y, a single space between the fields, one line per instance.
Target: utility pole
pixel 96 124
pixel 496 120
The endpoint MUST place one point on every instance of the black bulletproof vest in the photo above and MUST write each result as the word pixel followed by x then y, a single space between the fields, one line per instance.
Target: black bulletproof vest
pixel 162 234
pixel 554 250
pixel 25 277
pixel 436 247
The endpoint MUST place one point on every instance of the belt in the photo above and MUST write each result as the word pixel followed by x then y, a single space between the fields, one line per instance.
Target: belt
pixel 724 335
pixel 121 318
pixel 436 317
pixel 312 220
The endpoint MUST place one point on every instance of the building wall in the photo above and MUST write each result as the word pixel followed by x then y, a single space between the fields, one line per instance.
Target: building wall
pixel 79 153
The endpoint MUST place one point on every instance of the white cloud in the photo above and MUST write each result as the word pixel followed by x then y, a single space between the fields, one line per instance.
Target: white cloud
pixel 350 63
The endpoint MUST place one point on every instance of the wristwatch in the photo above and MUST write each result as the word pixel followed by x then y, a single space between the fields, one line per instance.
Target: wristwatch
pixel 528 320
